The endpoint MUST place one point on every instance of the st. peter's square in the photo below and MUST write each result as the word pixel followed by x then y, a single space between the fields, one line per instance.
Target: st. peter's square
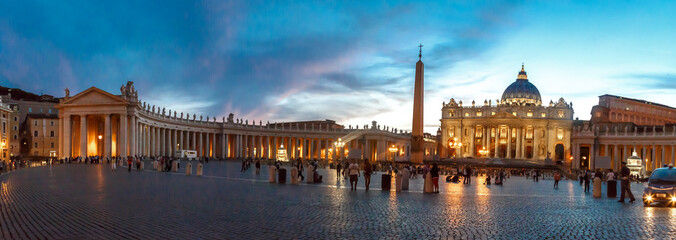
pixel 337 120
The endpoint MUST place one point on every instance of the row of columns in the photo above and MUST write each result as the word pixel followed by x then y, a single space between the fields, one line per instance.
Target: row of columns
pixel 653 155
pixel 486 141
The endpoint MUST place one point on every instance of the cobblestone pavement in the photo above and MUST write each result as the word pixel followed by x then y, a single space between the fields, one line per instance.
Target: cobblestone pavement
pixel 92 202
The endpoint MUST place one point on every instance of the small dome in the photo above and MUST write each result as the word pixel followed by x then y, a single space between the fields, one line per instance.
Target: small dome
pixel 522 92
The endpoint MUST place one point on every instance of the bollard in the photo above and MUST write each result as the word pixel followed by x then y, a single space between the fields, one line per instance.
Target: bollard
pixel 429 186
pixel 597 188
pixel 142 164
pixel 159 167
pixel 199 169
pixel 294 175
pixel 310 174
pixel 405 174
pixel 398 182
pixel 271 173
pixel 281 175
pixel 386 182
pixel 174 166
pixel 612 189
pixel 188 169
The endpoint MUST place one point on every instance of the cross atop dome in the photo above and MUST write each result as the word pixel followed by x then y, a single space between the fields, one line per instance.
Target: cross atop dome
pixel 522 74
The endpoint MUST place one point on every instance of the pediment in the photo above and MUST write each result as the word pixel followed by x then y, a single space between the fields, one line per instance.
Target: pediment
pixel 94 96
pixel 504 115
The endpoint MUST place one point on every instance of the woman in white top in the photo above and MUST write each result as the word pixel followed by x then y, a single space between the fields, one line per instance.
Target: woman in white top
pixel 353 170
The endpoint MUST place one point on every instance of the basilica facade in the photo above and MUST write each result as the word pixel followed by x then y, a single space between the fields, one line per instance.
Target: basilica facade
pixel 516 126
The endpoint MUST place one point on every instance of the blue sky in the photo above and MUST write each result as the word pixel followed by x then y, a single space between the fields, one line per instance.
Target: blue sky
pixel 350 61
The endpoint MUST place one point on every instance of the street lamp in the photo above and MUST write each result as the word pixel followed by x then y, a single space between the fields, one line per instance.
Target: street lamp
pixel 455 144
pixel 339 145
pixel 393 150
pixel 483 151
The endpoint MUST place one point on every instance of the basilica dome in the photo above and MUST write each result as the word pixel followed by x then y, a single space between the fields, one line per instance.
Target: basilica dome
pixel 521 92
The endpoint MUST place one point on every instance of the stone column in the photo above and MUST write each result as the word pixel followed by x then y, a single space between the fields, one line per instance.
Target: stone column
pixel 193 140
pixel 497 141
pixel 616 158
pixel 163 141
pixel 132 140
pixel 518 142
pixel 259 146
pixel 509 142
pixel 122 149
pixel 107 136
pixel 653 159
pixel 157 141
pixel 213 145
pixel 83 136
pixel 174 143
pixel 592 157
pixel 274 149
pixel 326 150
pixel 67 139
pixel 226 152
pixel 536 145
pixel 472 149
pixel 663 153
pixel 200 147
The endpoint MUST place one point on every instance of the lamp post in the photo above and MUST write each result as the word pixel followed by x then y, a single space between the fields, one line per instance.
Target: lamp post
pixel 455 145
pixel 393 150
pixel 339 145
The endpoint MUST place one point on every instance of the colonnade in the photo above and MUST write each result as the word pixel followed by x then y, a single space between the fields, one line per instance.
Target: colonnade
pixel 653 155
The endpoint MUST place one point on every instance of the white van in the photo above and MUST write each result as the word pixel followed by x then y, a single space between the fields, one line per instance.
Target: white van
pixel 188 154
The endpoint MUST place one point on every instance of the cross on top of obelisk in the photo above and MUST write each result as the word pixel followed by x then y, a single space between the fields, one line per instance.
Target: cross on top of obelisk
pixel 420 54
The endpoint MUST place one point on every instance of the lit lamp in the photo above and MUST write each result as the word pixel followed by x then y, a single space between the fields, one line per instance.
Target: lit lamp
pixel 483 151
pixel 455 144
pixel 100 137
pixel 393 150
pixel 339 144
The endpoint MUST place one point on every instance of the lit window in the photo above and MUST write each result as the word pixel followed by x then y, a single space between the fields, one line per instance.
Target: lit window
pixel 492 113
pixel 478 114
pixel 514 113
pixel 492 132
pixel 466 114
pixel 529 132
pixel 560 113
pixel 513 132
pixel 479 131
pixel 451 132
pixel 529 114
pixel 503 132
pixel 543 115
pixel 451 113
pixel 559 133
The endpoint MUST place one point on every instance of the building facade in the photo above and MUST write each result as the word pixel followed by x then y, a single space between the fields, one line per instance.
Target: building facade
pixel 620 126
pixel 24 104
pixel 6 114
pixel 42 140
pixel 515 126
pixel 95 122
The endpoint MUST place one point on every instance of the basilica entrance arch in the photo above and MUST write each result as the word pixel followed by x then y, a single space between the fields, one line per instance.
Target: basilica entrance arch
pixel 559 152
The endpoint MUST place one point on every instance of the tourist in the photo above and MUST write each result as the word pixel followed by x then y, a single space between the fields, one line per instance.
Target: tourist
pixel 368 170
pixel 586 177
pixel 581 176
pixel 557 178
pixel 258 166
pixel 345 170
pixel 469 175
pixel 624 186
pixel 338 168
pixel 354 175
pixel 610 176
pixel 488 180
pixel 536 176
pixel 300 167
pixel 114 166
pixel 316 177
pixel 435 177
pixel 243 165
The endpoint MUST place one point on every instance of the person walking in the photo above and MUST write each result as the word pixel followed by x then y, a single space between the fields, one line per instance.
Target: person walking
pixel 338 168
pixel 114 166
pixel 258 167
pixel 557 178
pixel 353 170
pixel 435 177
pixel 537 176
pixel 368 170
pixel 586 179
pixel 624 186
pixel 301 169
pixel 469 175
pixel 129 163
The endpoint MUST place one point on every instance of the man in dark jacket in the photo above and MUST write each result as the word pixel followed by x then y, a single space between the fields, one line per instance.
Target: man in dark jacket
pixel 624 186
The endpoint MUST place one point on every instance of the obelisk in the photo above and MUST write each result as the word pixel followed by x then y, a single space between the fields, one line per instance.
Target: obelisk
pixel 417 141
